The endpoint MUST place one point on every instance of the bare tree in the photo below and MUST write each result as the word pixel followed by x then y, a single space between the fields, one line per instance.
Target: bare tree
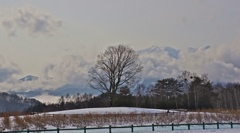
pixel 186 79
pixel 140 95
pixel 118 66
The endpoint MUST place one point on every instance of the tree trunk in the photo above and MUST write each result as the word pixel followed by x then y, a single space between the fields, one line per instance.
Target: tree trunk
pixel 188 100
pixel 236 98
pixel 195 97
pixel 111 103
pixel 225 99
pixel 110 100
pixel 176 102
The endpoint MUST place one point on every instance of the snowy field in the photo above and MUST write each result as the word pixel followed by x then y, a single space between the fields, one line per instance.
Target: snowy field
pixel 198 131
pixel 123 117
pixel 127 110
pixel 148 130
pixel 160 130
pixel 186 131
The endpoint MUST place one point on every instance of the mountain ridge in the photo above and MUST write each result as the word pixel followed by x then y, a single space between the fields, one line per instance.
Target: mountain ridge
pixel 13 102
pixel 172 52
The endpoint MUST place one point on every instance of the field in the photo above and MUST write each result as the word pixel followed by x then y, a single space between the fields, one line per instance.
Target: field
pixel 122 116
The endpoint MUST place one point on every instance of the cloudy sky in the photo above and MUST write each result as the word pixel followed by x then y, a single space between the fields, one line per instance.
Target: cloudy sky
pixel 60 38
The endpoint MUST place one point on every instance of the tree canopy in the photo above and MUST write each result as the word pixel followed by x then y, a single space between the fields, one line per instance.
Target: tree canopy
pixel 117 67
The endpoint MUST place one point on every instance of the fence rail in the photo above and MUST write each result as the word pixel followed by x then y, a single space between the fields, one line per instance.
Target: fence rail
pixel 132 127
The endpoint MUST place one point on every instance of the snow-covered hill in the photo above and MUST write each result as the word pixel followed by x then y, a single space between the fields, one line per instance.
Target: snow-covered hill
pixel 114 110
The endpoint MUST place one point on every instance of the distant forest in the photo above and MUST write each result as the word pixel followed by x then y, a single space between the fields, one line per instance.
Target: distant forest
pixel 186 91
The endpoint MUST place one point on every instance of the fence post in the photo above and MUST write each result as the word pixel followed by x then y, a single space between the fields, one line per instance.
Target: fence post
pixel 110 129
pixel 85 130
pixel 152 127
pixel 217 125
pixel 28 131
pixel 231 125
pixel 203 125
pixel 132 128
pixel 188 126
pixel 172 127
pixel 57 130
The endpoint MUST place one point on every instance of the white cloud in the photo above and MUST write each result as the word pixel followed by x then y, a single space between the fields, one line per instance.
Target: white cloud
pixel 46 98
pixel 222 72
pixel 30 20
pixel 229 54
pixel 158 65
pixel 70 70
pixel 221 63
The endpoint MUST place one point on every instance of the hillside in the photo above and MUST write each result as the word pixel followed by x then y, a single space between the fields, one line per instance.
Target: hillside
pixel 13 102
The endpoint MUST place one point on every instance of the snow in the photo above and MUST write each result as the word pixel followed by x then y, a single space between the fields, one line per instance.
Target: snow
pixel 125 110
pixel 113 110
pixel 198 131
pixel 157 130
pixel 148 130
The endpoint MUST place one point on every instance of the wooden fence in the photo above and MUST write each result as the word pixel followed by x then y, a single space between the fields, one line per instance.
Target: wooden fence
pixel 132 127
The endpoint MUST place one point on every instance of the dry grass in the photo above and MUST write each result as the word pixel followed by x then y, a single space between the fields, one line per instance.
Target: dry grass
pixel 199 117
pixel 6 124
pixel 39 121
pixel 190 118
pixel 117 119
pixel 19 123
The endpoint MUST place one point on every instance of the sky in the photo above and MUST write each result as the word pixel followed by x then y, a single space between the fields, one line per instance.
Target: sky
pixel 60 38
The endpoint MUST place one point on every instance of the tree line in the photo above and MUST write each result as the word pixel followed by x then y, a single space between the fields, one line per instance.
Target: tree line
pixel 187 91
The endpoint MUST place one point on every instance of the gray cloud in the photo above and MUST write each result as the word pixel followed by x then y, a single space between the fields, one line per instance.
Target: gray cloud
pixel 7 70
pixel 30 20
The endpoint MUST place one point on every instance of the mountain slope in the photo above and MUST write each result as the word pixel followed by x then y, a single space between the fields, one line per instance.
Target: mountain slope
pixel 12 102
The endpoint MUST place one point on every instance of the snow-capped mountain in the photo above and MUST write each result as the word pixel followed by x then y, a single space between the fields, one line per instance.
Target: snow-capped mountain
pixel 172 52
pixel 28 78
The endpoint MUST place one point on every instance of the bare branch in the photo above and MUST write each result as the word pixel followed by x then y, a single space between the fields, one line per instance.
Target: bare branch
pixel 118 66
